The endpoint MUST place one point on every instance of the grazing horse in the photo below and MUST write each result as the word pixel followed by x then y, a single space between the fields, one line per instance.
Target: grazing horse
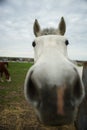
pixel 53 85
pixel 3 69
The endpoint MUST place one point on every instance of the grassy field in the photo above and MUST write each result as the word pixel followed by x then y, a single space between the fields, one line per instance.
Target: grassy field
pixel 15 87
pixel 15 112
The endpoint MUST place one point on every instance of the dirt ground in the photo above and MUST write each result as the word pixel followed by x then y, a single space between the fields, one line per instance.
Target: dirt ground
pixel 20 116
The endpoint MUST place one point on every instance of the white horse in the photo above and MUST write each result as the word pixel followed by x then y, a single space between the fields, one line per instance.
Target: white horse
pixel 53 84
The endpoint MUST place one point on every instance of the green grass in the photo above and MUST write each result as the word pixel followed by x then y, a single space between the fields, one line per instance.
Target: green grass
pixel 13 91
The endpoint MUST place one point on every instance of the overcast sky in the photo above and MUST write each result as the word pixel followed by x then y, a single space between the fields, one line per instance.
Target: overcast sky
pixel 17 18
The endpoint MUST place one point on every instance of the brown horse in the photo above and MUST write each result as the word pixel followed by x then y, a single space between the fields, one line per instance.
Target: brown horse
pixel 4 70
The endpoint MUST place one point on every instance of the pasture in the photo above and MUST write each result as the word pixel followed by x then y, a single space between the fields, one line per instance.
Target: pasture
pixel 15 112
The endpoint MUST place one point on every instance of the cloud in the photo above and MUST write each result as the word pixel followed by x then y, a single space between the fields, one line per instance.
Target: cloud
pixel 2 1
pixel 17 18
pixel 77 53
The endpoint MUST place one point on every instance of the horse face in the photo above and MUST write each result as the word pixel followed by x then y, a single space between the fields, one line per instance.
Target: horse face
pixel 53 85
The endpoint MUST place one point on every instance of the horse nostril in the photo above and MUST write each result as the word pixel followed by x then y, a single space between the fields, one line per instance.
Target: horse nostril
pixel 32 91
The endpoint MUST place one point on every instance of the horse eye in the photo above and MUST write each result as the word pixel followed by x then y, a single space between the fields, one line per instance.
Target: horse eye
pixel 33 44
pixel 66 42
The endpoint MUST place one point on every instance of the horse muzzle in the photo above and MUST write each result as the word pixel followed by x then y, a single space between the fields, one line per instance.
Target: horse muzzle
pixel 55 104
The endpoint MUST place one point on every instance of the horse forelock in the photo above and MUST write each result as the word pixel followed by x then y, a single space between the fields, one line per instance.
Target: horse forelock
pixel 49 31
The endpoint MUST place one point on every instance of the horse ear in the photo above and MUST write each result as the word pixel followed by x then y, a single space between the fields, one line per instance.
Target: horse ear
pixel 62 26
pixel 36 28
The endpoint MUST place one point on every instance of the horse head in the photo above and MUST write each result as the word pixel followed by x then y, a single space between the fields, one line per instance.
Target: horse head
pixel 53 85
